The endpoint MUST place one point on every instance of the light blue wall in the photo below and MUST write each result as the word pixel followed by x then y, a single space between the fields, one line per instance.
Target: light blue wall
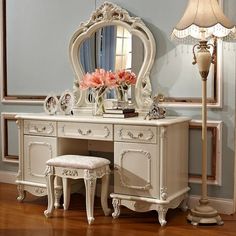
pixel 160 16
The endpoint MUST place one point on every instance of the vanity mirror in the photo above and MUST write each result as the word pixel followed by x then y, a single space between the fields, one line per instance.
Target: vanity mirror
pixel 113 40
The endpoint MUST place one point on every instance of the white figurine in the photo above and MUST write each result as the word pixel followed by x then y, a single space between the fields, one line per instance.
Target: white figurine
pixel 155 111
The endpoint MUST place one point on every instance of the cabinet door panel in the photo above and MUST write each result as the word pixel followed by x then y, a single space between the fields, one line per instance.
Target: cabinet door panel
pixel 136 169
pixel 37 150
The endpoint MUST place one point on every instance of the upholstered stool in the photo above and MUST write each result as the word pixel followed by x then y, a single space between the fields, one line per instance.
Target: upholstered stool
pixel 76 167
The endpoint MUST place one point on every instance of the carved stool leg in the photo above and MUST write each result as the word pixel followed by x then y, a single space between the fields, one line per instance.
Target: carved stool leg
pixel 90 186
pixel 116 205
pixel 21 192
pixel 104 194
pixel 58 191
pixel 50 190
pixel 66 192
pixel 162 215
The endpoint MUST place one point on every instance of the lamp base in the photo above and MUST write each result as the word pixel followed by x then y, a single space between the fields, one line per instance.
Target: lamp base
pixel 204 214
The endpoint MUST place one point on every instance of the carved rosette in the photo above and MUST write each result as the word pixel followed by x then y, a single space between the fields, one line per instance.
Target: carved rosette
pixel 164 193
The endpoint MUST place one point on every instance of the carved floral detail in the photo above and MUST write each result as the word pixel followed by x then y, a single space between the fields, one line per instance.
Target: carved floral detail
pixel 164 194
pixel 40 190
pixel 68 172
pixel 139 136
pixel 109 12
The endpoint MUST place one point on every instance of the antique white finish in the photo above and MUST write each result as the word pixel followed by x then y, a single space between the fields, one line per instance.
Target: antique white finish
pixel 83 131
pixel 150 157
pixel 73 170
pixel 151 176
pixel 111 14
pixel 138 134
pixel 40 128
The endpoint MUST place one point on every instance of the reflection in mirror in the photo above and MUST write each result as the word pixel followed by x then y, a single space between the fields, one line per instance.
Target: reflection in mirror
pixel 111 48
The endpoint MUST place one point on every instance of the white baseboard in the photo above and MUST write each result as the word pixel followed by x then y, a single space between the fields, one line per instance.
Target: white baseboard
pixel 223 206
pixel 8 177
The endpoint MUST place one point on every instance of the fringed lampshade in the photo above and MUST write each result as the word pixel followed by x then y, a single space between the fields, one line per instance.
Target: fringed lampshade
pixel 203 14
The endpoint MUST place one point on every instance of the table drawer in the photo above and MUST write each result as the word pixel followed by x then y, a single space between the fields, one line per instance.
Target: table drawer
pixel 137 134
pixel 38 127
pixel 85 131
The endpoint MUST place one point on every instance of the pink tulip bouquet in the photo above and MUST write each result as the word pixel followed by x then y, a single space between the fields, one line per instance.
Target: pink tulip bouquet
pixel 124 80
pixel 101 80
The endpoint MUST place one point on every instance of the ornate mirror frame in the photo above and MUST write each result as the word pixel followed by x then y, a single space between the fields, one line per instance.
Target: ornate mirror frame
pixel 110 14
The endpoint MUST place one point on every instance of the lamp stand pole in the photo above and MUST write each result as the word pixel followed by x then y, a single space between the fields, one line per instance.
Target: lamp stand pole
pixel 204 213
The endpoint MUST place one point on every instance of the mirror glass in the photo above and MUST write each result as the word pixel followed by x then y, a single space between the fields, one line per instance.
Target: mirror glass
pixel 111 48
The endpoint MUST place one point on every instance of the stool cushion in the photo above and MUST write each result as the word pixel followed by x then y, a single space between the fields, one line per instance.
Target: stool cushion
pixel 78 162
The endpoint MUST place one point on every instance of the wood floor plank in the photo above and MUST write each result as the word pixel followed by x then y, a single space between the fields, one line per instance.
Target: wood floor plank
pixel 27 219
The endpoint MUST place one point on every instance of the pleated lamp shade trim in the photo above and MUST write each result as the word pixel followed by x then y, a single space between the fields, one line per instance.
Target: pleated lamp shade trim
pixel 203 14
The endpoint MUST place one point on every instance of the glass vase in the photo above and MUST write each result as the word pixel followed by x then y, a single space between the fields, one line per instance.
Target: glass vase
pixel 122 97
pixel 98 106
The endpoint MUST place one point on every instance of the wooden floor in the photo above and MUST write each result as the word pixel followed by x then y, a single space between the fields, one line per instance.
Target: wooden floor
pixel 17 219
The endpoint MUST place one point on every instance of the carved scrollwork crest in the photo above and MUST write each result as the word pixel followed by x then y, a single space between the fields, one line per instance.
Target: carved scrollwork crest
pixel 109 12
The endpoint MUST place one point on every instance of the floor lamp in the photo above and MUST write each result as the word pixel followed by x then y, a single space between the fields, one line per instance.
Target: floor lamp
pixel 202 20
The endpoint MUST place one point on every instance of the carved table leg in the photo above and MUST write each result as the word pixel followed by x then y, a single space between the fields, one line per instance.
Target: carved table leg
pixel 21 192
pixel 116 205
pixel 104 193
pixel 90 186
pixel 50 190
pixel 162 215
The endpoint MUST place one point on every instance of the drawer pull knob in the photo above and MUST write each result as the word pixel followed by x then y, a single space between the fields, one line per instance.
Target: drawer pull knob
pixel 37 129
pixel 84 133
pixel 131 135
pixel 146 136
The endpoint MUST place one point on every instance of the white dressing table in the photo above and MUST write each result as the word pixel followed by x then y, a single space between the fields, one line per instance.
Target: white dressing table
pixel 150 156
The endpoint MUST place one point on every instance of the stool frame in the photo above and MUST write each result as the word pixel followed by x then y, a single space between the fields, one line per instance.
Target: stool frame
pixel 90 176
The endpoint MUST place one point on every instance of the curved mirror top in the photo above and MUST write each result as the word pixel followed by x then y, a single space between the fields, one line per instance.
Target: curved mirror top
pixel 112 40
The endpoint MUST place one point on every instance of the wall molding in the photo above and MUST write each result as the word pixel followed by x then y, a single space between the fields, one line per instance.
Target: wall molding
pixel 215 178
pixel 5 118
pixel 222 205
pixel 8 177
